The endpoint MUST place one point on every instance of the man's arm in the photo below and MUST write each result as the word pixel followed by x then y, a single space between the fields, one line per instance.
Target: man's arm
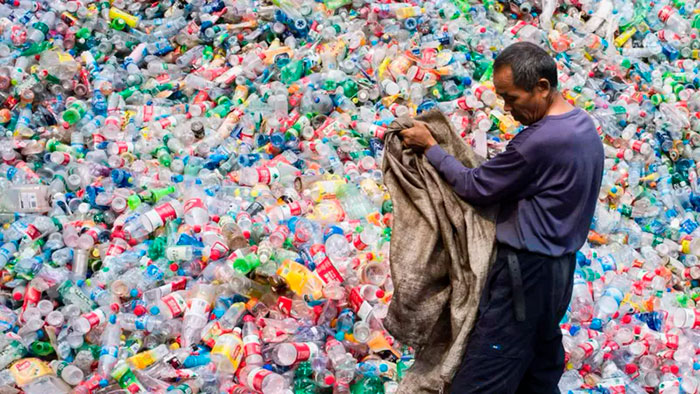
pixel 503 176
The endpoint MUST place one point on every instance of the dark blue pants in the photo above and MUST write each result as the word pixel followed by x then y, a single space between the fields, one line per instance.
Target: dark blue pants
pixel 523 354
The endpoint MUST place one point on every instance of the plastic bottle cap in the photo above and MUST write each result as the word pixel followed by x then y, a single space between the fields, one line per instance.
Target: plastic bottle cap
pixel 134 293
pixel 155 310
pixel 574 329
pixel 630 369
pixel 248 318
pixel 139 310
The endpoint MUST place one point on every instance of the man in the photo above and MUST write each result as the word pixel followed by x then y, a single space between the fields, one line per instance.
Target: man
pixel 546 182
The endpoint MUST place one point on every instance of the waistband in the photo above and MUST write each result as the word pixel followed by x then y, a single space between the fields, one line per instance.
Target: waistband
pixel 505 248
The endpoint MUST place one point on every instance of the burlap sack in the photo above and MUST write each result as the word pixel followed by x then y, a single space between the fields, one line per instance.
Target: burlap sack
pixel 440 253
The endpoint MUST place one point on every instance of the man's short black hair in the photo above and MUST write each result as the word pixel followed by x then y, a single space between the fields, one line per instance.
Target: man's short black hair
pixel 529 63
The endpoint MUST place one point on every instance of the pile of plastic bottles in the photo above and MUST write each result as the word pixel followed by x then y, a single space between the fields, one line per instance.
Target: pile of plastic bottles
pixel 192 197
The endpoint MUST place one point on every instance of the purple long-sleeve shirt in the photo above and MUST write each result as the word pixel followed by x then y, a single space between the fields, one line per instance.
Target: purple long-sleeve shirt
pixel 546 181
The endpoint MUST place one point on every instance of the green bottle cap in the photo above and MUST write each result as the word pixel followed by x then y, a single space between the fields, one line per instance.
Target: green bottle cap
pixel 71 116
pixel 41 348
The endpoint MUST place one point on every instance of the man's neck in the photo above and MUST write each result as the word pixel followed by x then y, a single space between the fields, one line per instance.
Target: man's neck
pixel 559 105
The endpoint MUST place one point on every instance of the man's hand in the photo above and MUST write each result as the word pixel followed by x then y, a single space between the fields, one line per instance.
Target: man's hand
pixel 417 137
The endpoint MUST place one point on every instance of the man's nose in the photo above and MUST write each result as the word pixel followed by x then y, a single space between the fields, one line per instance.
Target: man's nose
pixel 507 107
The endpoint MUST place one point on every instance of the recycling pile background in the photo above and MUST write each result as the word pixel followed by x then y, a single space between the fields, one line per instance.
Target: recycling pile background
pixel 192 198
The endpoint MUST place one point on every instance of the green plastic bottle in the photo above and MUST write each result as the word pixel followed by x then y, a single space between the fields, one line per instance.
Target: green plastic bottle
pixel 292 72
pixel 371 385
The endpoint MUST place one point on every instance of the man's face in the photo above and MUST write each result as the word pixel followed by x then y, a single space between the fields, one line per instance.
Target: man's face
pixel 526 107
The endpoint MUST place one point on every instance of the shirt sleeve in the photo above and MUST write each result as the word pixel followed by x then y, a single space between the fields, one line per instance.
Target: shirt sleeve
pixel 505 175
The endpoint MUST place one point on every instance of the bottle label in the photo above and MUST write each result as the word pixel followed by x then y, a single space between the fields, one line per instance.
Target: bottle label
pixel 32 232
pixel 356 299
pixel 295 208
pixel 252 345
pixel 462 103
pixel 256 377
pixel 142 360
pixel 127 380
pixel 665 13
pixel 303 351
pixel 637 145
pixel 327 271
pixel 199 306
pixel 193 203
pixel 284 304
pixel 419 76
pixel 229 349
pixel 178 284
pixel 147 113
pixel 122 147
pixel 696 318
pixel 166 212
pixel 166 122
pixel 480 91
pixel 175 302
pixel 60 366
pixel 115 248
pixel 98 138
pixel 176 253
pixel 24 371
pixel 274 174
pixel 28 201
pixel 589 347
pixel 264 175
pixel 359 244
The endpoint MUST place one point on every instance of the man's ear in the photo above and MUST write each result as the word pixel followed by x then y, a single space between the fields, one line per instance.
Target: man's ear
pixel 542 86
